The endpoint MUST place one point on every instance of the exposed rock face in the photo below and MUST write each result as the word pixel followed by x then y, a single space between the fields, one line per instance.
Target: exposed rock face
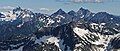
pixel 61 31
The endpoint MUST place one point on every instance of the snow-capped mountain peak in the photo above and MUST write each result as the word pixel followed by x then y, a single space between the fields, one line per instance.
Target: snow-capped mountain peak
pixel 61 31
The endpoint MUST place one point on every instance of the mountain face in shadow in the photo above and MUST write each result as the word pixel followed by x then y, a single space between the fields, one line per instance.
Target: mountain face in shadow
pixel 24 30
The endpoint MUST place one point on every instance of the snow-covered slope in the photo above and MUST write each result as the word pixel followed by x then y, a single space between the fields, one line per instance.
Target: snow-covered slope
pixel 24 30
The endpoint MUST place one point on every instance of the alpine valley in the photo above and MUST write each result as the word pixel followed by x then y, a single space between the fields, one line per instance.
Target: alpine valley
pixel 82 30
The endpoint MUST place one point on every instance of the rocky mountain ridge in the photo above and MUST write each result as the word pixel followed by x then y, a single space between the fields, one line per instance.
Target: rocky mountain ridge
pixel 83 30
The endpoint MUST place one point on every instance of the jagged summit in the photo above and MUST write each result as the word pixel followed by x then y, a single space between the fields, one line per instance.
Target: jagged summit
pixel 59 12
pixel 81 8
pixel 82 11
pixel 71 12
pixel 17 9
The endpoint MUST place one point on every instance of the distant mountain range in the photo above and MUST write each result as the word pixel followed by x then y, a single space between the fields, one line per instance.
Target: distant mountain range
pixel 24 30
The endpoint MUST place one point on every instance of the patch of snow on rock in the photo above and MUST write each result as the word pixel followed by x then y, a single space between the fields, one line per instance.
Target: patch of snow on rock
pixel 80 31
pixel 53 40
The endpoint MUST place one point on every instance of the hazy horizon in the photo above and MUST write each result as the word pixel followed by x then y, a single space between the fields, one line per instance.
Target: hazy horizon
pixel 48 7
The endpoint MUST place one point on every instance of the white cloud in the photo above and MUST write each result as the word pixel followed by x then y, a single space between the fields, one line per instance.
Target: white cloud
pixel 45 9
pixel 30 9
pixel 82 1
pixel 7 7
pixel 89 1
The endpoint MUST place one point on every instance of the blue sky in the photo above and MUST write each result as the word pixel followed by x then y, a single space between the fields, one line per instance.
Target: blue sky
pixel 50 6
